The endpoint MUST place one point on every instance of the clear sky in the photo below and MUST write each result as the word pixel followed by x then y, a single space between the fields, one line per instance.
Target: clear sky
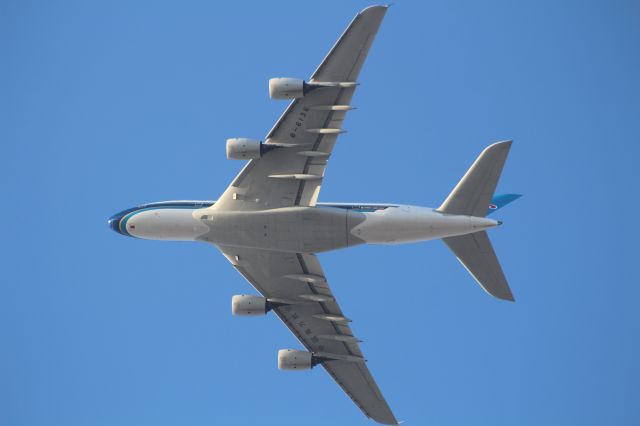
pixel 107 105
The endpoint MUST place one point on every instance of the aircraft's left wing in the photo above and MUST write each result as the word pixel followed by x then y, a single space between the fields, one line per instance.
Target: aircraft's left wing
pixel 290 174
pixel 315 318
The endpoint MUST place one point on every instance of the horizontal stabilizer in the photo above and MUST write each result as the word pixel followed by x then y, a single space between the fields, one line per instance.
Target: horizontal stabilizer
pixel 473 193
pixel 476 254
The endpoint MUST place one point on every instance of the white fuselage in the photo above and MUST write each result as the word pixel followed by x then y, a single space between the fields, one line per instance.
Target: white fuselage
pixel 297 229
pixel 406 224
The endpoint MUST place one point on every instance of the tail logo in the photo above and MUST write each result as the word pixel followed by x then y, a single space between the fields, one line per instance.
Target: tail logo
pixel 492 207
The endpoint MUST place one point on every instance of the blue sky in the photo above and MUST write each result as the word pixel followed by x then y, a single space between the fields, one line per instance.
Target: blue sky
pixel 107 105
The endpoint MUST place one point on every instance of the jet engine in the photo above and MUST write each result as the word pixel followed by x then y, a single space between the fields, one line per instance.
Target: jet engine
pixel 291 359
pixel 246 305
pixel 293 88
pixel 243 149
pixel 287 88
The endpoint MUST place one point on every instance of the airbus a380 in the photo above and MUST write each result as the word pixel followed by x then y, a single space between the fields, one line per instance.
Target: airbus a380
pixel 269 224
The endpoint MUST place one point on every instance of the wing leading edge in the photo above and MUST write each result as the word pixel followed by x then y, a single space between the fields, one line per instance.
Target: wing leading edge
pixel 299 279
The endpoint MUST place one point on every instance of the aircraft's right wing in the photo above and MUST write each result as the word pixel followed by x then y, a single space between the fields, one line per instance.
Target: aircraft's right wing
pixel 315 318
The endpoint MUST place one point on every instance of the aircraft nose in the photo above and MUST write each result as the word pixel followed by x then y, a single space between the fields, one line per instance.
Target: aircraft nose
pixel 114 221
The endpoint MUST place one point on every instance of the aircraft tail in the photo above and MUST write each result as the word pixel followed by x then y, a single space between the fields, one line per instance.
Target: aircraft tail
pixel 473 196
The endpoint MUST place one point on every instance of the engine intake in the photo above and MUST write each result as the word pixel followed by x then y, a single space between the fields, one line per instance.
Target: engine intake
pixel 291 359
pixel 243 149
pixel 246 305
pixel 287 88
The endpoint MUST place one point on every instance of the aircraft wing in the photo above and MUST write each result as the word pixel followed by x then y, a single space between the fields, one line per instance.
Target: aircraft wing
pixel 291 174
pixel 314 317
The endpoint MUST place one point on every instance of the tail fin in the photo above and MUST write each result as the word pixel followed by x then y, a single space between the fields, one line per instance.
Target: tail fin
pixel 476 254
pixel 473 193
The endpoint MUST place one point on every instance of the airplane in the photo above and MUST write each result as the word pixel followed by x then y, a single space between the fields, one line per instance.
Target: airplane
pixel 269 224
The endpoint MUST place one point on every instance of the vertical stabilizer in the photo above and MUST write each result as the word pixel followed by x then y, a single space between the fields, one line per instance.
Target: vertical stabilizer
pixel 472 195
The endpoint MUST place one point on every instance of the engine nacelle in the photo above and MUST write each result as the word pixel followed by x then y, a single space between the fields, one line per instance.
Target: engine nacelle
pixel 287 88
pixel 291 359
pixel 243 149
pixel 246 305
